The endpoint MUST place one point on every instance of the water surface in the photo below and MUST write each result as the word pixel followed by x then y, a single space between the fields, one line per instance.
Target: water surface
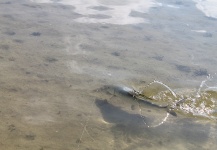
pixel 60 61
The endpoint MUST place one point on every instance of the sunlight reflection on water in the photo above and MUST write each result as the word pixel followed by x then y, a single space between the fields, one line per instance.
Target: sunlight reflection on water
pixel 208 7
pixel 112 12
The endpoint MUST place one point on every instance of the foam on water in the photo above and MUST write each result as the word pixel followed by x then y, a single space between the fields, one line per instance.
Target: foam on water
pixel 174 94
pixel 201 102
pixel 207 87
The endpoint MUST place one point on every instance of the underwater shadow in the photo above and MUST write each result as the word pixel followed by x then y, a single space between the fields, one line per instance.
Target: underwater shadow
pixel 131 129
pixel 126 127
pixel 117 116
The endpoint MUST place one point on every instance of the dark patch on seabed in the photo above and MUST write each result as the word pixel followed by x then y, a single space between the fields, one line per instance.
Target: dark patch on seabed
pixel 100 8
pixel 6 2
pixel 35 34
pixel 115 53
pixel 99 16
pixel 51 59
pixel 18 41
pixel 10 33
pixel 201 72
pixel 183 68
pixel 158 57
pixel 4 47
pixel 196 72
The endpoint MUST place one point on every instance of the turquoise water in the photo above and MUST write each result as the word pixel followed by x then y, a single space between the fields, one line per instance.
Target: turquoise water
pixel 62 61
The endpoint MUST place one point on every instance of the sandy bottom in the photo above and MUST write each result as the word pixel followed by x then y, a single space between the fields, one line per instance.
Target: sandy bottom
pixel 54 74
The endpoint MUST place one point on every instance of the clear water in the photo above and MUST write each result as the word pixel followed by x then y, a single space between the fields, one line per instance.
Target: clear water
pixel 61 61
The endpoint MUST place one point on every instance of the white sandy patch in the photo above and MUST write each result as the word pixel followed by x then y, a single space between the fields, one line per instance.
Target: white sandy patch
pixel 38 111
pixel 114 12
pixel 172 6
pixel 39 119
pixel 71 49
pixel 199 31
pixel 209 7
pixel 74 67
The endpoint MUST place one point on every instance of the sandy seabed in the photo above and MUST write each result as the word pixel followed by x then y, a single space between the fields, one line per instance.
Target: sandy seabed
pixel 54 73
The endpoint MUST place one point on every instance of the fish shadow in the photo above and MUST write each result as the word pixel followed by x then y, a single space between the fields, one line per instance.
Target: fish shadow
pixel 133 130
pixel 126 127
pixel 117 116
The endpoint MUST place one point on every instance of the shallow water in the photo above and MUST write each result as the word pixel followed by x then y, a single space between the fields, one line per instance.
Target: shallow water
pixel 58 57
